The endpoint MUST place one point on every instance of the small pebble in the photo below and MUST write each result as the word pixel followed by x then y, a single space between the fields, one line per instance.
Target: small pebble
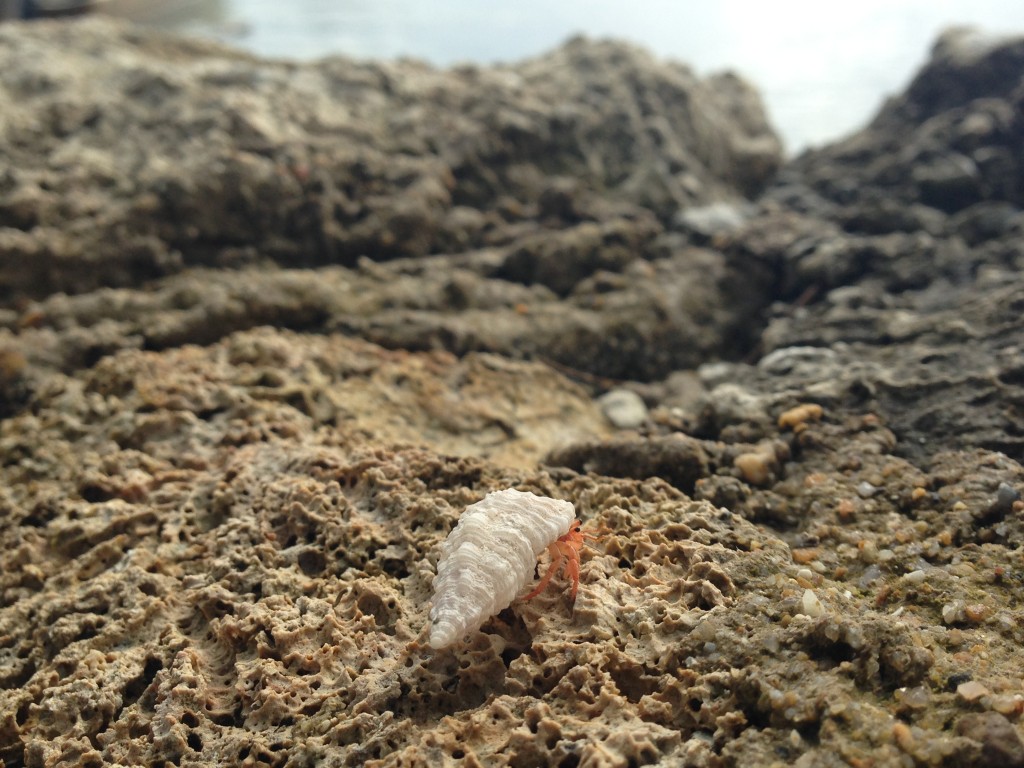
pixel 868 551
pixel 954 612
pixel 845 509
pixel 810 605
pixel 866 490
pixel 914 577
pixel 756 468
pixel 903 736
pixel 917 697
pixel 796 417
pixel 976 613
pixel 1006 495
pixel 1007 704
pixel 804 555
pixel 972 690
pixel 623 408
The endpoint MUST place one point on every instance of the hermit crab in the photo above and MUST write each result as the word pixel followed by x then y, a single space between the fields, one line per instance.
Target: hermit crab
pixel 490 556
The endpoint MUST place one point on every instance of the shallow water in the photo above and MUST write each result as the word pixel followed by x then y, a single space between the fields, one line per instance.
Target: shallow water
pixel 824 69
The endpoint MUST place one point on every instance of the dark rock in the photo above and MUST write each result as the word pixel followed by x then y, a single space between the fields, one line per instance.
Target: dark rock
pixel 951 140
pixel 948 182
pixel 330 161
pixel 987 221
pixel 679 459
pixel 561 259
pixel 1000 742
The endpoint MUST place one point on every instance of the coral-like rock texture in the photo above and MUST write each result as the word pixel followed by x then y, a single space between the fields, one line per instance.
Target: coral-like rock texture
pixel 267 328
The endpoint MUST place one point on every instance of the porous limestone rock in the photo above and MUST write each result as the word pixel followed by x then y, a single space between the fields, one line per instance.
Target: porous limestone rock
pixel 267 328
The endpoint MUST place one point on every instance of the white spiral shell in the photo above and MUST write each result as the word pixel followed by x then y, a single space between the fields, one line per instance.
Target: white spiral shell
pixel 489 557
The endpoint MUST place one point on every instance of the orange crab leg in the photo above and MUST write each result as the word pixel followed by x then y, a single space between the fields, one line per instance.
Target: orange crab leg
pixel 572 570
pixel 565 553
pixel 557 558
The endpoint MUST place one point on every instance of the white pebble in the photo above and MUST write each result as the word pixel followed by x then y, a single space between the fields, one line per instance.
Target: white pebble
pixel 623 408
pixel 954 612
pixel 810 605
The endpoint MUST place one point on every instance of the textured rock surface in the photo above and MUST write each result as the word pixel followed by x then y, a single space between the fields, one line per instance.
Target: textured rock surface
pixel 170 153
pixel 560 175
pixel 266 329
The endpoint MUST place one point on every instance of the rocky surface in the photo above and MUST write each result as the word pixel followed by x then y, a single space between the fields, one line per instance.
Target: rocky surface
pixel 267 328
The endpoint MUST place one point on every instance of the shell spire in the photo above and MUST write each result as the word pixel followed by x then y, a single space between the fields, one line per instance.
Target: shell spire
pixel 489 557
